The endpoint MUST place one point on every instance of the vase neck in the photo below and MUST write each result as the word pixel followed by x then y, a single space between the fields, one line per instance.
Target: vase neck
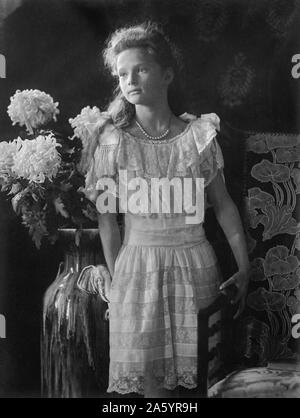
pixel 88 252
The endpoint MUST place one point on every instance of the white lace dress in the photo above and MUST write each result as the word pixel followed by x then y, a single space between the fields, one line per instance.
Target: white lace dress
pixel 166 269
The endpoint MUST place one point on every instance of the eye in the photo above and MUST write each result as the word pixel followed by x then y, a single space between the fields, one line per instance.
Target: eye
pixel 122 74
pixel 143 69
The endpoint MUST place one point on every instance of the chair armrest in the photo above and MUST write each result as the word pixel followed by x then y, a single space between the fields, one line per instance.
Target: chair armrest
pixel 217 305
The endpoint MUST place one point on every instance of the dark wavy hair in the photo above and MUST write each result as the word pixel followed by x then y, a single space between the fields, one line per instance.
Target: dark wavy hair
pixel 148 35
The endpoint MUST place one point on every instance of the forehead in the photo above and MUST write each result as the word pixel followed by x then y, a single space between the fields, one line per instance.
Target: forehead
pixel 133 56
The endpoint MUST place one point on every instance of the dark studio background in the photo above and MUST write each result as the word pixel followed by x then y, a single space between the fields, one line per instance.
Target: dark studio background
pixel 237 56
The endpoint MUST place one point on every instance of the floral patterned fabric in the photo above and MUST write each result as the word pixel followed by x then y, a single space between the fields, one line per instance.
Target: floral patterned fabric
pixel 273 229
pixel 166 270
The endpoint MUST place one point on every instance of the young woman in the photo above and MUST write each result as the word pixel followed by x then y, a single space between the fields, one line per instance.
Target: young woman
pixel 165 270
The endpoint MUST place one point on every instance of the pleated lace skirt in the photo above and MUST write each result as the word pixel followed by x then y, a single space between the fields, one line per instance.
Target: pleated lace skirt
pixel 161 280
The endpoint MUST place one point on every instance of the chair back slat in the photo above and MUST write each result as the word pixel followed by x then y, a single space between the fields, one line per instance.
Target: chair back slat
pixel 210 336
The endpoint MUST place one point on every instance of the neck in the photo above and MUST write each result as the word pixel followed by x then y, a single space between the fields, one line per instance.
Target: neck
pixel 153 119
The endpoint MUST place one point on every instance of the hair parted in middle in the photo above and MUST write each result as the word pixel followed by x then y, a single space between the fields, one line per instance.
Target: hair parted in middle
pixel 148 35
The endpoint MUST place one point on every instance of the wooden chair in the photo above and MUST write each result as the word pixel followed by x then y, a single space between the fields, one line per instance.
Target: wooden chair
pixel 213 320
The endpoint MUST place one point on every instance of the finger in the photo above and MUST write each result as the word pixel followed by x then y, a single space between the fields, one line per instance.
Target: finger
pixel 240 309
pixel 238 312
pixel 238 296
pixel 227 283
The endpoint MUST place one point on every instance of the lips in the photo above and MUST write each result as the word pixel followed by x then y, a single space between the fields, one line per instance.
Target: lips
pixel 135 91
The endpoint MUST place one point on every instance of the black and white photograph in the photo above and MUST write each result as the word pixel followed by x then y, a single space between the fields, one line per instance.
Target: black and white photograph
pixel 149 201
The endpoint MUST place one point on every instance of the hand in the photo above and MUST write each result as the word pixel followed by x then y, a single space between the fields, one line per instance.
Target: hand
pixel 240 281
pixel 95 280
pixel 104 281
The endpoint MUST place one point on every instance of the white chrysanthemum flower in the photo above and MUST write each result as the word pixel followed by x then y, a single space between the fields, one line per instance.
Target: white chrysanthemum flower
pixel 32 108
pixel 84 122
pixel 37 159
pixel 7 152
pixel 85 126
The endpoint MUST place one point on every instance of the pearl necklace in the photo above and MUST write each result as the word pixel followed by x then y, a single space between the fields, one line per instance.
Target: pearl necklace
pixel 154 137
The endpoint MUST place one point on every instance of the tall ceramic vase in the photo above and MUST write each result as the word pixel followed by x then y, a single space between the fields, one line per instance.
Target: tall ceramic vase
pixel 75 333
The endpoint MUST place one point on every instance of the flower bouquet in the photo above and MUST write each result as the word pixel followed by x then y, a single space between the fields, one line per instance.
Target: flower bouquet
pixel 40 169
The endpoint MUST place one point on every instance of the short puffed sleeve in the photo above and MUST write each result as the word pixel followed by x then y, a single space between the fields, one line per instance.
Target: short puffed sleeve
pixel 102 165
pixel 210 153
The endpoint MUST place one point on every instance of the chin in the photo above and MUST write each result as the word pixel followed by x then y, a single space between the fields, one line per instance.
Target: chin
pixel 136 100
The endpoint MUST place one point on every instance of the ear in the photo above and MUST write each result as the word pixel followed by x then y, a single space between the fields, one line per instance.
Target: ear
pixel 169 75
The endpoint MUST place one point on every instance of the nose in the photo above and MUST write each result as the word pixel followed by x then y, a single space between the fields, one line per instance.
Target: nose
pixel 132 79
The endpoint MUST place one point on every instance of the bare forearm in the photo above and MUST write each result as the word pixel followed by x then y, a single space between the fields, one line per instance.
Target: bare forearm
pixel 110 238
pixel 230 221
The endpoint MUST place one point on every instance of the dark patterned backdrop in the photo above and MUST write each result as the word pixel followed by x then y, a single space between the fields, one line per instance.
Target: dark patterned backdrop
pixel 272 224
pixel 238 64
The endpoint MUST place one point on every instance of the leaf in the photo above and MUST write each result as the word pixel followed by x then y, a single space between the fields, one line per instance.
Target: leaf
pixel 258 199
pixel 278 220
pixel 91 213
pixel 37 231
pixel 291 301
pixel 65 187
pixel 17 200
pixel 15 188
pixel 297 294
pixel 281 140
pixel 286 281
pixel 257 144
pixel 60 207
pixel 288 155
pixel 296 177
pixel 266 171
pixel 278 261
pixel 53 238
pixel 263 300
pixel 297 240
pixel 295 308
